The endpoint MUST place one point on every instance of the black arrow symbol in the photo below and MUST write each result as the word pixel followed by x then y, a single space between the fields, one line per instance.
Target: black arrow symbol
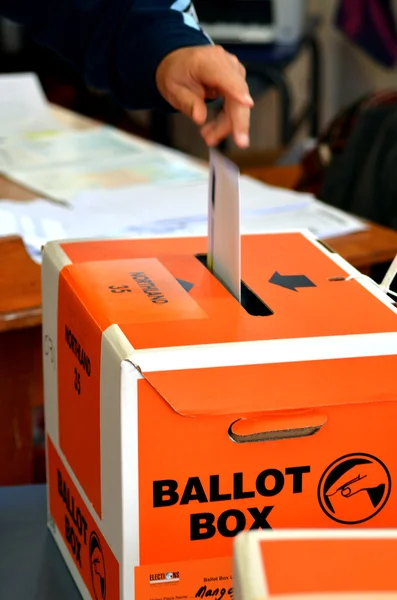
pixel 187 286
pixel 291 282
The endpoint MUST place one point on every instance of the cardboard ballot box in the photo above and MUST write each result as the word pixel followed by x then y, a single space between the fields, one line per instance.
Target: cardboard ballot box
pixel 177 417
pixel 316 564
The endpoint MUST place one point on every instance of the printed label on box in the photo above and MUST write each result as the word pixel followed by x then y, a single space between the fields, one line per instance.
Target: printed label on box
pixel 91 554
pixel 134 291
pixel 79 364
pixel 210 578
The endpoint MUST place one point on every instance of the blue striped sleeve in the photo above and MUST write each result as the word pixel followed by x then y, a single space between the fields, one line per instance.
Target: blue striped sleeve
pixel 116 45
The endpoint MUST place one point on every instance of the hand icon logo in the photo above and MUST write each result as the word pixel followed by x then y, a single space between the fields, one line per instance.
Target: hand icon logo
pixel 354 488
pixel 98 573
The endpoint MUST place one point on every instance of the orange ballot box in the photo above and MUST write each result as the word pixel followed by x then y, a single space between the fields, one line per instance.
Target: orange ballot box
pixel 177 416
pixel 316 565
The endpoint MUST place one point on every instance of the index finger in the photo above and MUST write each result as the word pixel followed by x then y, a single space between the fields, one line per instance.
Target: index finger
pixel 349 479
pixel 240 118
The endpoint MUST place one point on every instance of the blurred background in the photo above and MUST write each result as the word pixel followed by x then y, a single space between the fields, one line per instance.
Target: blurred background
pixel 346 71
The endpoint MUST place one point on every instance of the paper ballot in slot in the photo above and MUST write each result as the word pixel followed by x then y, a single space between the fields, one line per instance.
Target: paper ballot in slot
pixel 224 239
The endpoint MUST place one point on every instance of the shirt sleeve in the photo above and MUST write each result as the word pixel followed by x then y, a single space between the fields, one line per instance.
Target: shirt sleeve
pixel 116 45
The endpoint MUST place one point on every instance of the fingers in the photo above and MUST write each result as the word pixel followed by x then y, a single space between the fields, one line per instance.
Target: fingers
pixel 192 104
pixel 224 72
pixel 189 76
pixel 234 119
pixel 353 487
pixel 228 77
pixel 216 130
pixel 240 120
pixel 355 481
pixel 199 111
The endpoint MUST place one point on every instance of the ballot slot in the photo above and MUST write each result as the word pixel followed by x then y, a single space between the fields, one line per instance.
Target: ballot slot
pixel 251 303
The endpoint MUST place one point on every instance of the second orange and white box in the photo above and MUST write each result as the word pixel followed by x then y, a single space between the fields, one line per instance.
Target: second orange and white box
pixel 317 564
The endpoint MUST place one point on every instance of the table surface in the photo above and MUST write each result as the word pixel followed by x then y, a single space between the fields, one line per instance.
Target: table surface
pixel 20 301
pixel 31 566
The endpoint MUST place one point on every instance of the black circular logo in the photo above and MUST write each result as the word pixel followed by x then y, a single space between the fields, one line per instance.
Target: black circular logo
pixel 354 488
pixel 97 565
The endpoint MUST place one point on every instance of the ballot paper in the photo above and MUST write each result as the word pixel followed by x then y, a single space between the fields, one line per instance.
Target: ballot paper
pixel 224 239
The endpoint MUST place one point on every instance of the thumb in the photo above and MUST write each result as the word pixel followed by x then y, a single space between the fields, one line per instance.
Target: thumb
pixel 353 487
pixel 191 104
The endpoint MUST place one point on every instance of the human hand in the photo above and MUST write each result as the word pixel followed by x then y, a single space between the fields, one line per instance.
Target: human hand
pixel 359 479
pixel 187 77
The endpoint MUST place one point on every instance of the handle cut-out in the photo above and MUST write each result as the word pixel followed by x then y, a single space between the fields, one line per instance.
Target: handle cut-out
pixel 275 427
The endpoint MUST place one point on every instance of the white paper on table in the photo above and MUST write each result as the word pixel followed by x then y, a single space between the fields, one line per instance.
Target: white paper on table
pixel 46 150
pixel 36 222
pixel 180 200
pixel 113 173
pixel 39 221
pixel 23 106
pixel 322 220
